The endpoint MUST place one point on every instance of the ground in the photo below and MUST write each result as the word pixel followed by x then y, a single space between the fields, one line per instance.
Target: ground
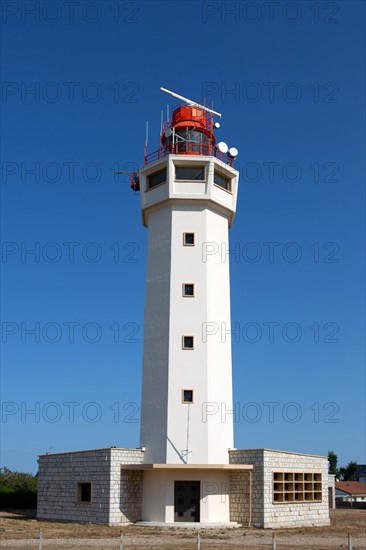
pixel 20 530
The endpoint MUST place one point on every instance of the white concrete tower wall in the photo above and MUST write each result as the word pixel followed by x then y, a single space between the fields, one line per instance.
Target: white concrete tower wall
pixel 170 210
pixel 156 337
pixel 219 381
pixel 207 368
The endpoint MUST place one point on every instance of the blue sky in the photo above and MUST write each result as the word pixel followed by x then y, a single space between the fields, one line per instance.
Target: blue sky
pixel 289 81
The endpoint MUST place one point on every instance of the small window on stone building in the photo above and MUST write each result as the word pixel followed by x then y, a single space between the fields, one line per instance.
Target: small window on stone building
pixel 84 492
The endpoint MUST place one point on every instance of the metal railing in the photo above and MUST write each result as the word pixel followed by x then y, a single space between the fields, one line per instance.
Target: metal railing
pixel 187 148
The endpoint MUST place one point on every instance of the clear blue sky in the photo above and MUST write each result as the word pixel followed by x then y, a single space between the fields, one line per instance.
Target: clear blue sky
pixel 289 80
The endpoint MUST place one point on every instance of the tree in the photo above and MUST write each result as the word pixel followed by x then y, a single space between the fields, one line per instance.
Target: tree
pixel 347 473
pixel 333 459
pixel 17 480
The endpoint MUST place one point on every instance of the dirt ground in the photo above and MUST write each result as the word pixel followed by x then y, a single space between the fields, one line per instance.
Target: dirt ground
pixel 20 530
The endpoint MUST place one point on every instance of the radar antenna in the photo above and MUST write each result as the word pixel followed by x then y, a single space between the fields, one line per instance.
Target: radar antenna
pixel 190 102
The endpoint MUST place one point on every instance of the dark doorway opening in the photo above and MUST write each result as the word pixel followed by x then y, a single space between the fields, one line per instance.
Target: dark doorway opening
pixel 186 501
pixel 330 497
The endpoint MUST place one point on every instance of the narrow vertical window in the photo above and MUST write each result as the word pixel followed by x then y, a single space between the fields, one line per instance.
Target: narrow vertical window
pixel 222 181
pixel 84 492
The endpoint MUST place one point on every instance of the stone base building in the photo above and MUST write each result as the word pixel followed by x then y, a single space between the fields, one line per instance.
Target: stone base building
pixel 264 488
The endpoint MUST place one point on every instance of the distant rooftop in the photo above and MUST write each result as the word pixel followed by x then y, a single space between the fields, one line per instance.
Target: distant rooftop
pixel 351 487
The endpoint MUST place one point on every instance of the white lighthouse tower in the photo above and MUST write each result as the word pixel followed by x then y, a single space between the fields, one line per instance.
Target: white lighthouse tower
pixel 186 469
pixel 188 199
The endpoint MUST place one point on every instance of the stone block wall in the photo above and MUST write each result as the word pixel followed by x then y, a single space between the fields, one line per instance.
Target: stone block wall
pixel 256 459
pixel 239 497
pixel 126 487
pixel 265 512
pixel 58 478
pixel 116 495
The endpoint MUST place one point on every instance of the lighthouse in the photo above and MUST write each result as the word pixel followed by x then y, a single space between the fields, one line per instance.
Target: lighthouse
pixel 186 471
pixel 188 190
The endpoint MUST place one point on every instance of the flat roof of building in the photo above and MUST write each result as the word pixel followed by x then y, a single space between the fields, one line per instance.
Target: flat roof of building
pixel 278 451
pixel 186 467
pixel 94 451
pixel 141 450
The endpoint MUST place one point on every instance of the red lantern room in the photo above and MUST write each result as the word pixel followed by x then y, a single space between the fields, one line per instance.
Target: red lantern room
pixel 189 132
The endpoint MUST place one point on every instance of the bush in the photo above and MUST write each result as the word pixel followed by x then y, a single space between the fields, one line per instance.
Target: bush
pixel 17 489
pixel 20 499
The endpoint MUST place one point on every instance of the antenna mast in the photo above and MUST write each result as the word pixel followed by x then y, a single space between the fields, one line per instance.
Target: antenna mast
pixel 147 133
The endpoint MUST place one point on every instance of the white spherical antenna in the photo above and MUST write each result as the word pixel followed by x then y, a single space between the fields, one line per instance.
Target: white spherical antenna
pixel 168 132
pixel 233 152
pixel 222 147
pixel 217 124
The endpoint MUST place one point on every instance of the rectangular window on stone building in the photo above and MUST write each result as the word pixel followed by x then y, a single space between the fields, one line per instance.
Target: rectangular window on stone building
pixel 297 487
pixel 84 492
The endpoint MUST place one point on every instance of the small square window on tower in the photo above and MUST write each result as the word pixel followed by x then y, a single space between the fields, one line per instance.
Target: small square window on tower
pixel 187 396
pixel 188 290
pixel 188 239
pixel 188 342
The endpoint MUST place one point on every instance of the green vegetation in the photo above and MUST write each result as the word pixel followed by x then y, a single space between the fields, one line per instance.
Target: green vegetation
pixel 333 459
pixel 17 489
pixel 345 473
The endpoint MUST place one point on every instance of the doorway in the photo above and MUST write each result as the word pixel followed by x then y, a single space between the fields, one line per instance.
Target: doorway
pixel 186 501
